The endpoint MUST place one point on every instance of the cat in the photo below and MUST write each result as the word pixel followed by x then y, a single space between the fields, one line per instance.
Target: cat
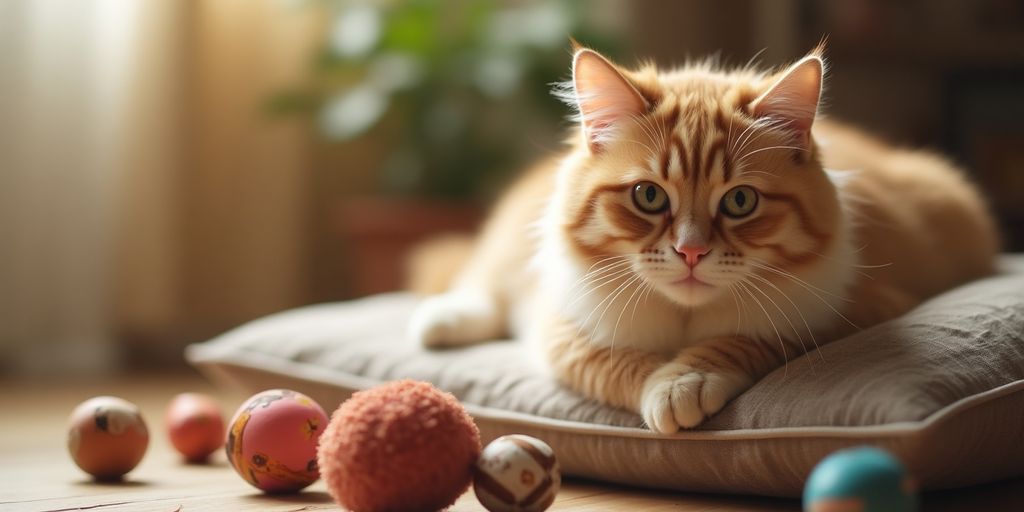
pixel 705 227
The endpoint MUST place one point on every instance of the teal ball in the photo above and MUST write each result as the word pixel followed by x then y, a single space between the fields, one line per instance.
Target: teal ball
pixel 862 479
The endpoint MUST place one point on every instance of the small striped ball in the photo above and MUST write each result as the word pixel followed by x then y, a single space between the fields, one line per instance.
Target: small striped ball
pixel 517 473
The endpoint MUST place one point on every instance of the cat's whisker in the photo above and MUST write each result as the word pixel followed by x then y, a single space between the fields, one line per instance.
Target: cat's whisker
pixel 593 275
pixel 639 295
pixel 639 143
pixel 807 326
pixel 591 287
pixel 764 126
pixel 756 151
pixel 819 297
pixel 648 130
pixel 752 126
pixel 854 265
pixel 728 135
pixel 732 291
pixel 753 137
pixel 595 284
pixel 610 299
pixel 610 258
pixel 859 269
pixel 749 130
pixel 606 298
pixel 810 332
pixel 647 286
pixel 800 338
pixel 757 129
pixel 615 297
pixel 647 295
pixel 615 331
pixel 615 261
pixel 746 172
pixel 785 357
pixel 759 263
pixel 742 169
pixel 663 130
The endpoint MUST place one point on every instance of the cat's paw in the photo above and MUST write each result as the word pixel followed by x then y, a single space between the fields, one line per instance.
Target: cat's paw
pixel 679 396
pixel 455 319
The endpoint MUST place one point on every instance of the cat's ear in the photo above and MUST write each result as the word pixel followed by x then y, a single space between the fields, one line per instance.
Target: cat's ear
pixel 604 97
pixel 793 98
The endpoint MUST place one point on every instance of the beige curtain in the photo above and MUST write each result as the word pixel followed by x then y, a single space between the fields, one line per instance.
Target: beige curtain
pixel 63 74
pixel 145 201
pixel 232 243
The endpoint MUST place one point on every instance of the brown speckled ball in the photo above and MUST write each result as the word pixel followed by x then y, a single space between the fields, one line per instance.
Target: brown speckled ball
pixel 107 437
pixel 401 446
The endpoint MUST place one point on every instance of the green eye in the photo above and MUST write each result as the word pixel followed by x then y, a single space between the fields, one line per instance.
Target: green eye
pixel 649 197
pixel 739 201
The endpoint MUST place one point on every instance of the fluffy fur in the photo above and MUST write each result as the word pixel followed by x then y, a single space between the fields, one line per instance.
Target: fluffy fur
pixel 672 312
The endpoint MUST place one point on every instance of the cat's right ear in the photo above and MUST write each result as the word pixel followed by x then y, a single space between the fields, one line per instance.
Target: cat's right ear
pixel 793 99
pixel 604 96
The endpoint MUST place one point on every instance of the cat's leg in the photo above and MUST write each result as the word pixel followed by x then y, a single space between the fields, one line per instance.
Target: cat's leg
pixel 613 375
pixel 701 379
pixel 458 317
pixel 669 392
pixel 495 278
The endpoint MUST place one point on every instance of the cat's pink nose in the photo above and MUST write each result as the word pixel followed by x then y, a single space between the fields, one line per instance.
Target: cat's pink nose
pixel 692 254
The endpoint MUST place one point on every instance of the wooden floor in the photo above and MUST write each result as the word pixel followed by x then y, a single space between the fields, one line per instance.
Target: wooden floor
pixel 36 473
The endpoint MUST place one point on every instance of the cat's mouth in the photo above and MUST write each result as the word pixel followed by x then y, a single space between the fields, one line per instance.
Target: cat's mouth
pixel 691 280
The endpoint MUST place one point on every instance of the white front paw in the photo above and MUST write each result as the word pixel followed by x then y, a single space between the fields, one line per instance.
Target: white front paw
pixel 679 396
pixel 455 319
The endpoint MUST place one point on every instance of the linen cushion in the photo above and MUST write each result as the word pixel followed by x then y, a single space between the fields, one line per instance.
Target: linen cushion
pixel 942 387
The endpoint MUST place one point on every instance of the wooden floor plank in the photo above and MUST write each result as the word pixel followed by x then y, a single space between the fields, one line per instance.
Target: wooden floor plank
pixel 36 473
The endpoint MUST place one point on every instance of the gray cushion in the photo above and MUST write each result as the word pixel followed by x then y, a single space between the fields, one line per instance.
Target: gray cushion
pixel 942 387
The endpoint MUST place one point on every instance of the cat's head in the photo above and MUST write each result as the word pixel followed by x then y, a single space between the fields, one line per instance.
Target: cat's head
pixel 696 181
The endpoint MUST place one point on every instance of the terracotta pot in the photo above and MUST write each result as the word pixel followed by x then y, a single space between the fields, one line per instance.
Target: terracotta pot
pixel 380 232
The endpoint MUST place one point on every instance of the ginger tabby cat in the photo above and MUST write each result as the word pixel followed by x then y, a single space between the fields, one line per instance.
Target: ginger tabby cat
pixel 706 228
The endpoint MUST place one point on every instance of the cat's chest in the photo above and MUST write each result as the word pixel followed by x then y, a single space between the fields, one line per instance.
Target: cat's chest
pixel 661 327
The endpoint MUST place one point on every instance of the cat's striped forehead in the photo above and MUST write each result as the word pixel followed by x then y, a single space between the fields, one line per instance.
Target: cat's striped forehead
pixel 695 141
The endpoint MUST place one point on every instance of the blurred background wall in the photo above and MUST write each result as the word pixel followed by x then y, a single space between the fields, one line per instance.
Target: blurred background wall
pixel 172 168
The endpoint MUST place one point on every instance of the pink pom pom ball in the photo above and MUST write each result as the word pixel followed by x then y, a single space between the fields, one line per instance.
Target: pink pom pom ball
pixel 404 445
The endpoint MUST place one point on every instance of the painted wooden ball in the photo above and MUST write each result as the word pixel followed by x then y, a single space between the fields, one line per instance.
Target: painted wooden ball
pixel 195 425
pixel 864 479
pixel 404 445
pixel 517 473
pixel 273 438
pixel 107 437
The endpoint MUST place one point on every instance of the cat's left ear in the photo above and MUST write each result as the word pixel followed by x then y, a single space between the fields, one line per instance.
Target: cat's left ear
pixel 793 99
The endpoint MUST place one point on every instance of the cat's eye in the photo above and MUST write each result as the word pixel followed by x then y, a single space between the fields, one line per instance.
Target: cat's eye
pixel 649 197
pixel 739 201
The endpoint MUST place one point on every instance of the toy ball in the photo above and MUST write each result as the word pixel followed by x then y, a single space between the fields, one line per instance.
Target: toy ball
pixel 107 437
pixel 404 445
pixel 860 480
pixel 517 473
pixel 195 426
pixel 272 440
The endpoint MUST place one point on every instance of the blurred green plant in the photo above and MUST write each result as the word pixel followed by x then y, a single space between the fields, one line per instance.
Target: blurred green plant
pixel 458 87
